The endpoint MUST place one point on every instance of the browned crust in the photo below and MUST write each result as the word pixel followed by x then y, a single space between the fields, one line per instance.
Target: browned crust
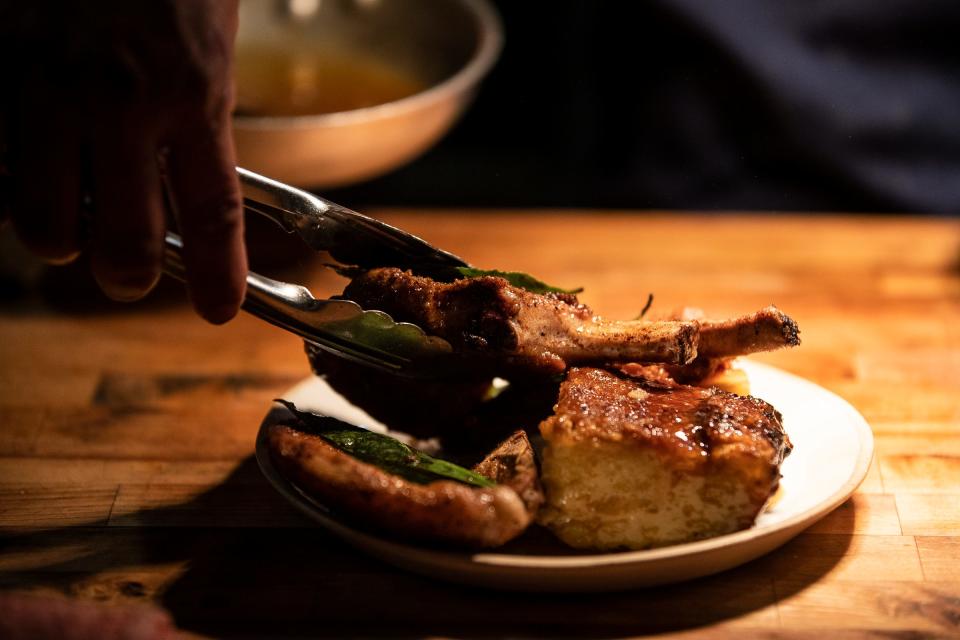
pixel 765 330
pixel 444 511
pixel 545 332
pixel 471 313
pixel 697 372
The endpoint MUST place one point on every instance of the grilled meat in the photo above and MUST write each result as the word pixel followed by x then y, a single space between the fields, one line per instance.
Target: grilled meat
pixel 720 341
pixel 441 511
pixel 765 330
pixel 634 457
pixel 641 462
pixel 702 372
pixel 544 332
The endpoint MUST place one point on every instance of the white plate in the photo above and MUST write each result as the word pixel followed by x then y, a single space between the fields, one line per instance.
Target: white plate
pixel 833 446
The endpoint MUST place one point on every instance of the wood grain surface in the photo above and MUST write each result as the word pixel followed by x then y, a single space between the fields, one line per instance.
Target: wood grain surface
pixel 126 439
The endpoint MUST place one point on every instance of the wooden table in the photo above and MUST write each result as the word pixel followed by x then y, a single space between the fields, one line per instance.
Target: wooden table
pixel 126 469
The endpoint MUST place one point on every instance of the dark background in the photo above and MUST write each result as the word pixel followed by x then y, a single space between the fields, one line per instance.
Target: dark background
pixel 835 105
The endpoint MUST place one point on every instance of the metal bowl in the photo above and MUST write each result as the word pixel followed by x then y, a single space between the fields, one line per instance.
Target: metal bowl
pixel 332 92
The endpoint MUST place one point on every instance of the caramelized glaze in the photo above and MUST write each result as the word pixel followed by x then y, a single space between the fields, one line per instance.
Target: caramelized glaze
pixel 687 423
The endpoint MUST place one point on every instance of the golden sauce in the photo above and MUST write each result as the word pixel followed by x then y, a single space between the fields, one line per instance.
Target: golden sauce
pixel 272 82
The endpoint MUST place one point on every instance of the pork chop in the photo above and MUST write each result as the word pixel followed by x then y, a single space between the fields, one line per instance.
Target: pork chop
pixel 545 332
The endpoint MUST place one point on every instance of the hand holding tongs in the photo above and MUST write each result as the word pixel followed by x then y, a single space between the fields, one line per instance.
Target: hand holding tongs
pixel 352 239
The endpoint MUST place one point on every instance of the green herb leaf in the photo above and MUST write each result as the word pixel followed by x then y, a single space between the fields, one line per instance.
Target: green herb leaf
pixel 517 279
pixel 385 452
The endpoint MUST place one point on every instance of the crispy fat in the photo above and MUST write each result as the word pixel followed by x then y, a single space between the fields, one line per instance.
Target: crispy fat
pixel 443 511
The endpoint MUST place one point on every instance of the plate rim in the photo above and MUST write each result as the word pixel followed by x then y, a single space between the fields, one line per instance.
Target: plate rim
pixel 491 559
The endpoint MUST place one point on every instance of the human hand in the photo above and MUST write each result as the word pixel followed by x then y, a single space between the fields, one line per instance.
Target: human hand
pixel 101 90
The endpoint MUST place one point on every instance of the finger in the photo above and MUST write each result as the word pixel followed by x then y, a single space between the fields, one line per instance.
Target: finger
pixel 128 225
pixel 206 193
pixel 46 191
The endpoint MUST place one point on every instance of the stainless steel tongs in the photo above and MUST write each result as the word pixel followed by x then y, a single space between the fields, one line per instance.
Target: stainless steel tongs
pixel 339 327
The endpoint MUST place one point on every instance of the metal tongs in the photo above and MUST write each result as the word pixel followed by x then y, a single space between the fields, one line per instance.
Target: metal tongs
pixel 338 327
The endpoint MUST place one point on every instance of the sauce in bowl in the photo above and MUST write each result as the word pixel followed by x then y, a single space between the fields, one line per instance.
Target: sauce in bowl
pixel 278 82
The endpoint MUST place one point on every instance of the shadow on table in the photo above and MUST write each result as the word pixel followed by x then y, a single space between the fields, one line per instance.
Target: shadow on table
pixel 295 579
